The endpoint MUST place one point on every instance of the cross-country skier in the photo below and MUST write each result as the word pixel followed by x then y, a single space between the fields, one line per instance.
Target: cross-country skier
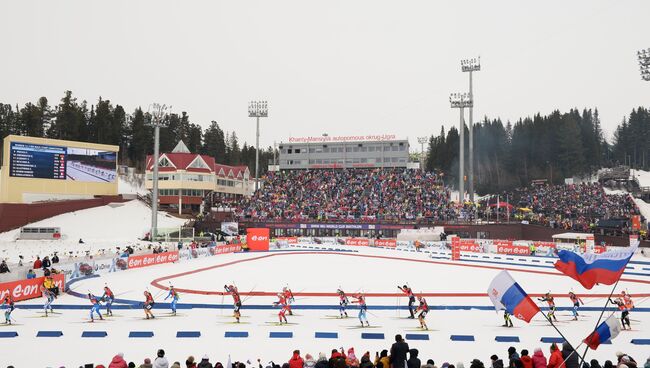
pixel 49 299
pixel 548 298
pixel 282 303
pixel 288 295
pixel 627 299
pixel 8 305
pixel 407 290
pixel 96 304
pixel 506 318
pixel 423 308
pixel 625 311
pixel 148 304
pixel 108 298
pixel 343 302
pixel 174 295
pixel 236 299
pixel 576 304
pixel 361 300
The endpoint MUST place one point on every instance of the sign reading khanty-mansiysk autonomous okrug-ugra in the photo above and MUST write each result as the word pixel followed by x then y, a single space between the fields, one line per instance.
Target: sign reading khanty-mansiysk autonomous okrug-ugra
pixel 345 138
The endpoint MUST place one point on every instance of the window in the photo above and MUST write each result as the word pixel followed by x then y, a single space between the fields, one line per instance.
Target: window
pixel 355 149
pixel 401 147
pixel 348 149
pixel 297 150
pixel 326 150
pixel 371 149
pixel 395 148
pixel 394 159
pixel 289 151
pixel 386 148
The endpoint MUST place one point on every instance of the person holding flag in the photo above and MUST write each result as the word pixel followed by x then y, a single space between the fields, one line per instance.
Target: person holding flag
pixel 576 304
pixel 506 294
pixel 606 331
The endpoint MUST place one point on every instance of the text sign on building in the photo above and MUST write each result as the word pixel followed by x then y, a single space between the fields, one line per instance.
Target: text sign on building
pixel 345 138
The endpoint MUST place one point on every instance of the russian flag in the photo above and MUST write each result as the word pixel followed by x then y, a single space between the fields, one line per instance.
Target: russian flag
pixel 607 330
pixel 506 294
pixel 591 269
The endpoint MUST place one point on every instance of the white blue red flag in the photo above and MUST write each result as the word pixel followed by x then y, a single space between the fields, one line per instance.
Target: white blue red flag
pixel 591 269
pixel 506 294
pixel 606 331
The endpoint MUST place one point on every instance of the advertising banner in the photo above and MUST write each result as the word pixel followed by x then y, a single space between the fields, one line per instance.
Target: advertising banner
pixel 357 241
pixel 288 239
pixel 147 260
pixel 389 243
pixel 257 238
pixel 522 250
pixel 227 248
pixel 455 248
pixel 636 222
pixel 29 289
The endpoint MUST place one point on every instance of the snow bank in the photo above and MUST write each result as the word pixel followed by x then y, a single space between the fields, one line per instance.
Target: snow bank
pixel 642 176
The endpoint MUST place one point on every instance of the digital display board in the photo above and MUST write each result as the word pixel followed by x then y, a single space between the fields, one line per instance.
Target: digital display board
pixel 62 163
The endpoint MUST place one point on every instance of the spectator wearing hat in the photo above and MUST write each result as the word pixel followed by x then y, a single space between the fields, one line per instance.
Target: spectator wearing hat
pixel 296 361
pixel 146 364
pixel 160 361
pixel 496 362
pixel 539 360
pixel 204 363
pixel 118 361
pixel 309 361
pixel 189 362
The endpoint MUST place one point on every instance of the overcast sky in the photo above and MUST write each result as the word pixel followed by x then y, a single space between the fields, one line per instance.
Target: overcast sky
pixel 341 67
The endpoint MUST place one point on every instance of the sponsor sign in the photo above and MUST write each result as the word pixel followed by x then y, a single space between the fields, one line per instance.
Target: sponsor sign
pixel 636 222
pixel 228 248
pixel 455 248
pixel 513 249
pixel 390 243
pixel 470 246
pixel 147 260
pixel 288 239
pixel 357 241
pixel 257 238
pixel 29 289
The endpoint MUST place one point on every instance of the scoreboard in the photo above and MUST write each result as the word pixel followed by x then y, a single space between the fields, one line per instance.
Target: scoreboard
pixel 37 161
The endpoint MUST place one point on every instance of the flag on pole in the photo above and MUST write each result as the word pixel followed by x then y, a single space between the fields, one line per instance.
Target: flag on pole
pixel 606 331
pixel 506 294
pixel 591 269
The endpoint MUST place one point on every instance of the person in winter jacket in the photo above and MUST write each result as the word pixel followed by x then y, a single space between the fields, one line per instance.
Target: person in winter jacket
pixel 539 360
pixel 309 361
pixel 526 360
pixel 477 364
pixel 118 362
pixel 398 352
pixel 647 363
pixel 204 363
pixel 351 360
pixel 160 361
pixel 176 365
pixel 37 263
pixel 146 364
pixel 189 362
pixel 555 360
pixel 296 361
pixel 608 364
pixel 594 364
pixel 571 359
pixel 382 358
pixel 414 361
pixel 496 362
pixel 512 356
pixel 322 361
pixel 365 361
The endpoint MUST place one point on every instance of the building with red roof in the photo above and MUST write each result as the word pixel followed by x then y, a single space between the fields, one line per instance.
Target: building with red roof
pixel 186 180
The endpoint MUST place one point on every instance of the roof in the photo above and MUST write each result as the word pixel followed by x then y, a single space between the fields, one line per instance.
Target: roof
pixel 193 162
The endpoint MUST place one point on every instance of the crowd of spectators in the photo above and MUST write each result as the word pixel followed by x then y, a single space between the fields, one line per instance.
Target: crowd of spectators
pixel 400 355
pixel 349 195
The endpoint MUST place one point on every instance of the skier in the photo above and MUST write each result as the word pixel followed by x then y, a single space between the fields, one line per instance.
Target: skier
pixel 343 302
pixel 148 304
pixel 627 299
pixel 282 303
pixel 8 304
pixel 407 290
pixel 548 298
pixel 108 297
pixel 506 318
pixel 423 308
pixel 174 295
pixel 361 300
pixel 625 311
pixel 232 290
pixel 576 304
pixel 288 295
pixel 96 304
pixel 49 299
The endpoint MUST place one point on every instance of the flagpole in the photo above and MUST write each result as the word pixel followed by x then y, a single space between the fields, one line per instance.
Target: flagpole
pixel 555 327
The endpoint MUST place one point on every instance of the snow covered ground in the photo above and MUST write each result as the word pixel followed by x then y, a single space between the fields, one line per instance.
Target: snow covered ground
pixel 104 227
pixel 642 176
pixel 455 291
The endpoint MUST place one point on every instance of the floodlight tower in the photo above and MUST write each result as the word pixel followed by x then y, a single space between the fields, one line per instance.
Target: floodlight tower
pixel 422 141
pixel 461 101
pixel 257 109
pixel 470 66
pixel 644 64
pixel 157 112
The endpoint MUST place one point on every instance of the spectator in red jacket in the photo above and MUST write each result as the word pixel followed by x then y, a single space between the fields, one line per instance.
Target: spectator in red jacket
pixel 526 360
pixel 37 263
pixel 296 361
pixel 118 362
pixel 539 360
pixel 556 360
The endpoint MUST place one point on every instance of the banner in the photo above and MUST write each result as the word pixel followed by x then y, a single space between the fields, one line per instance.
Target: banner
pixel 257 238
pixel 636 222
pixel 357 241
pixel 499 242
pixel 29 289
pixel 147 260
pixel 228 248
pixel 522 250
pixel 389 243
pixel 470 246
pixel 230 228
pixel 589 244
pixel 288 239
pixel 455 248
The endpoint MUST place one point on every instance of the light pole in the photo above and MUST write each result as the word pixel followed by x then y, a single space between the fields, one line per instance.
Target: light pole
pixel 644 64
pixel 461 101
pixel 470 66
pixel 157 115
pixel 257 109
pixel 422 141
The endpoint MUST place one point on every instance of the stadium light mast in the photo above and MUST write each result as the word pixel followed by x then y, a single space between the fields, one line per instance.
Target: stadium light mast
pixel 461 101
pixel 470 66
pixel 157 116
pixel 644 64
pixel 257 109
pixel 422 141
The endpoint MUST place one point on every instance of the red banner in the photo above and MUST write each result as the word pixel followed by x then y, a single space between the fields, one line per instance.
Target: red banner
pixel 147 260
pixel 498 242
pixel 288 239
pixel 29 289
pixel 257 238
pixel 599 249
pixel 522 250
pixel 470 247
pixel 543 244
pixel 455 248
pixel 357 241
pixel 636 222
pixel 390 243
pixel 230 248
